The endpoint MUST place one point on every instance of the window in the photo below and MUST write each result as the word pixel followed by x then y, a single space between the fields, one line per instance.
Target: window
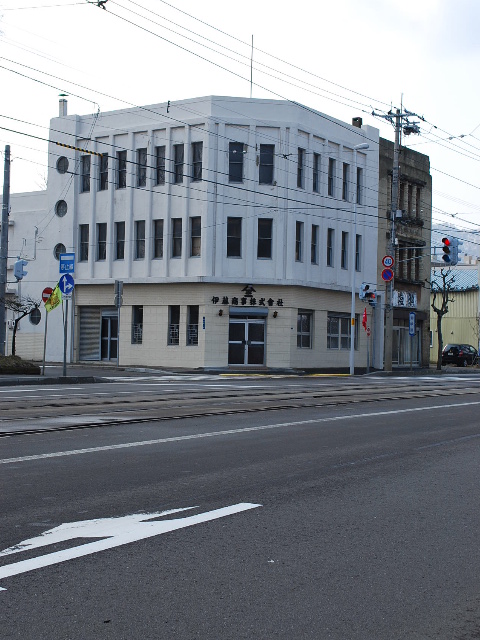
pixel 121 169
pixel 266 163
pixel 85 174
pixel 178 163
pixel 195 235
pixel 346 173
pixel 62 164
pixel 137 324
pixel 314 244
pixel 192 325
pixel 344 256
pixel 298 241
pixel 102 241
pixel 141 167
pixel 119 240
pixel 160 165
pixel 83 232
pixel 173 324
pixel 103 172
pixel 157 239
pixel 358 253
pixel 264 246
pixel 61 208
pixel 35 316
pixel 418 203
pixel 176 237
pixel 330 247
pixel 58 250
pixel 235 161
pixel 234 237
pixel 316 172
pixel 338 330
pixel 197 151
pixel 331 177
pixel 301 162
pixel 359 185
pixel 304 329
pixel 139 239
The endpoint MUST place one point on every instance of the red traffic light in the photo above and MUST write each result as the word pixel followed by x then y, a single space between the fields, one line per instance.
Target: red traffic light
pixel 446 241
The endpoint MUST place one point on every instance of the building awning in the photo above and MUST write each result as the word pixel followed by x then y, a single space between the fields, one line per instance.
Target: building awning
pixel 248 312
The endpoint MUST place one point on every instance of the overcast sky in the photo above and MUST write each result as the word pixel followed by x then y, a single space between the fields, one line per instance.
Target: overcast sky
pixel 345 58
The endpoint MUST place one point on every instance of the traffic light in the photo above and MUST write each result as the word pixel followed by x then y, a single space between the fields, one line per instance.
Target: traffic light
pixel 447 248
pixel 371 297
pixel 18 270
pixel 456 244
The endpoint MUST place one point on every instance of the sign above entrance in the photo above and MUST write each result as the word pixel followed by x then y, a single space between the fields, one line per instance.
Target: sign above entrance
pixel 244 301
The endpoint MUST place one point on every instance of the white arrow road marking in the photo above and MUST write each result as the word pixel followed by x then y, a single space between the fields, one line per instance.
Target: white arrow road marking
pixel 120 531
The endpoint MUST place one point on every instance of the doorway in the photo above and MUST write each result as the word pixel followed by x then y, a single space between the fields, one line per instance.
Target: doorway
pixel 109 336
pixel 246 341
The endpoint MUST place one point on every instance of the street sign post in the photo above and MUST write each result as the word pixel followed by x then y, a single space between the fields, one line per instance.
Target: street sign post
pixel 412 330
pixel 66 284
pixel 46 293
pixel 387 275
pixel 66 263
pixel 388 261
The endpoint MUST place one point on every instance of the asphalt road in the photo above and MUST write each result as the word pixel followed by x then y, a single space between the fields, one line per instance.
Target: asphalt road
pixel 356 521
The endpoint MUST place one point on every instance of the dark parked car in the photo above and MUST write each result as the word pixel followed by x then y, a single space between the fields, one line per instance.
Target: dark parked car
pixel 460 354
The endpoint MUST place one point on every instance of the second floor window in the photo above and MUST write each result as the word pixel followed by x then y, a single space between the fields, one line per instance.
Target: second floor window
pixel 102 241
pixel 330 240
pixel 298 241
pixel 139 239
pixel 314 244
pixel 158 238
pixel 85 174
pixel 141 167
pixel 359 185
pixel 103 172
pixel 358 252
pixel 344 258
pixel 178 160
pixel 121 169
pixel 234 237
pixel 267 152
pixel 264 246
pixel 83 242
pixel 119 240
pixel 235 161
pixel 176 237
pixel 197 152
pixel 195 235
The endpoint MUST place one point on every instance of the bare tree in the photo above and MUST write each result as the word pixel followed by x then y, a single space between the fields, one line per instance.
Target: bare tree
pixel 442 290
pixel 21 307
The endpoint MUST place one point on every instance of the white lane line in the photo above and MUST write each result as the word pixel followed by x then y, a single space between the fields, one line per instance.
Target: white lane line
pixel 22 389
pixel 229 432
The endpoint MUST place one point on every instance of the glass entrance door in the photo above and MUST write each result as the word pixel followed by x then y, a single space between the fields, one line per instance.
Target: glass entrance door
pixel 109 337
pixel 246 341
pixel 404 346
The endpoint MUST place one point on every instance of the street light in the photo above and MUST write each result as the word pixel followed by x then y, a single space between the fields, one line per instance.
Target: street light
pixel 358 147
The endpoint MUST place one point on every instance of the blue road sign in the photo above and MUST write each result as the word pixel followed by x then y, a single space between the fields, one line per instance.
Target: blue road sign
pixel 412 329
pixel 66 284
pixel 66 262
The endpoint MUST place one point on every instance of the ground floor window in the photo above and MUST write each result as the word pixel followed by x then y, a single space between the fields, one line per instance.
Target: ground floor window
pixel 338 330
pixel 304 329
pixel 192 325
pixel 137 324
pixel 174 324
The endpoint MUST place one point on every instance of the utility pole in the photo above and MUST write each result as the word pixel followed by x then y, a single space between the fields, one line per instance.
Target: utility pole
pixel 400 122
pixel 4 247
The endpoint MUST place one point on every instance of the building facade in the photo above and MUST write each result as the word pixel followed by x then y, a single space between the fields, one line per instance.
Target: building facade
pixel 413 223
pixel 229 222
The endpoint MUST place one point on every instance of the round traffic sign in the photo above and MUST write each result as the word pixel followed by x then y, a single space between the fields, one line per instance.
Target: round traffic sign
pixel 387 275
pixel 46 293
pixel 368 332
pixel 388 261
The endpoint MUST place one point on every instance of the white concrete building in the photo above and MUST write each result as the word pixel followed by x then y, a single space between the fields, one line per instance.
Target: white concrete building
pixel 229 222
